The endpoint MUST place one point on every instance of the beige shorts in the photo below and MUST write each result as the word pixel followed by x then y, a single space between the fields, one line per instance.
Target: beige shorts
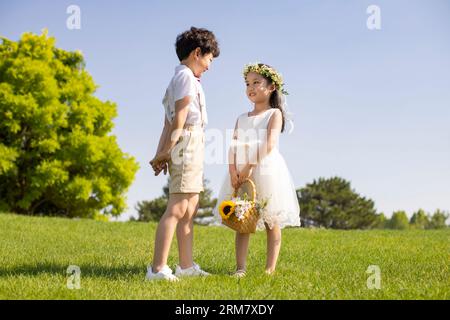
pixel 186 164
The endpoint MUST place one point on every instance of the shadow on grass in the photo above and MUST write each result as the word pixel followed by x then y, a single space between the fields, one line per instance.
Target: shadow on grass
pixel 95 271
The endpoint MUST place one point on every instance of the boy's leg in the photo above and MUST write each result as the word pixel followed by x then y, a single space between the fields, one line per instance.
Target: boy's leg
pixel 185 232
pixel 242 241
pixel 273 247
pixel 176 209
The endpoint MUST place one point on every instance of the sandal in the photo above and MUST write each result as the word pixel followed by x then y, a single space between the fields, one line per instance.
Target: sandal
pixel 239 273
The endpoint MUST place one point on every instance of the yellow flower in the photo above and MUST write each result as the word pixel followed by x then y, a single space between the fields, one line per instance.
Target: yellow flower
pixel 226 209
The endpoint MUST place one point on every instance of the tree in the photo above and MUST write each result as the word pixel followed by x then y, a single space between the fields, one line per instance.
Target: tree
pixel 151 210
pixel 154 209
pixel 331 203
pixel 206 202
pixel 419 220
pixel 438 220
pixel 399 221
pixel 380 221
pixel 57 156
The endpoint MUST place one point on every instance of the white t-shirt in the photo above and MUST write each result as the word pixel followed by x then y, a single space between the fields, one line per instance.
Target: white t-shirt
pixel 184 84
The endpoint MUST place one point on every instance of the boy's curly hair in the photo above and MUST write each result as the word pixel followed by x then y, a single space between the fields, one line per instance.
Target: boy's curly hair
pixel 196 38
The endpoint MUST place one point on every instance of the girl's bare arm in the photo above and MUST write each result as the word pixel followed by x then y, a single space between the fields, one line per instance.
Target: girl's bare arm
pixel 232 152
pixel 273 134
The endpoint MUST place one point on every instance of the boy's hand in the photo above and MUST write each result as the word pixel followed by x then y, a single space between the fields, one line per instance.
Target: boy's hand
pixel 161 157
pixel 162 167
pixel 159 162
pixel 245 173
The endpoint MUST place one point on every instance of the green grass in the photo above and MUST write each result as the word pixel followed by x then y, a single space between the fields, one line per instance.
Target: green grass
pixel 314 264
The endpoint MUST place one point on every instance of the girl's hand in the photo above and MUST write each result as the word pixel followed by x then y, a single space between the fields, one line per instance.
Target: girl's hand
pixel 234 179
pixel 245 173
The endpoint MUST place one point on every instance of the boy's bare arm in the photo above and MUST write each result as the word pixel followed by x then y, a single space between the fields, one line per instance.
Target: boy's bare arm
pixel 181 112
pixel 162 140
pixel 164 135
pixel 174 131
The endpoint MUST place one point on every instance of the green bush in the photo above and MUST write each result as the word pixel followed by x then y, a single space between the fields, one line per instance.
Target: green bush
pixel 57 156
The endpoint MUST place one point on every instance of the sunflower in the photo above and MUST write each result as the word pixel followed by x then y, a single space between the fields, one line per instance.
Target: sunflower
pixel 226 209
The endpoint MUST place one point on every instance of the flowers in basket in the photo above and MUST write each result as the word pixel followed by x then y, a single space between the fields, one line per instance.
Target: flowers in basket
pixel 239 208
pixel 241 214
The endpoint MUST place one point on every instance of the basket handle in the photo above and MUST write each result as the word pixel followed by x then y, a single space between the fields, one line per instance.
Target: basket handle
pixel 253 189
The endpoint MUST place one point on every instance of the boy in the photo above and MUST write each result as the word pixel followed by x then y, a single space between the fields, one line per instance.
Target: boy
pixel 181 151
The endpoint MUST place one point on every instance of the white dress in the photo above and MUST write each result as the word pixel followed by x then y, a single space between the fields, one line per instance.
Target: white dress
pixel 271 176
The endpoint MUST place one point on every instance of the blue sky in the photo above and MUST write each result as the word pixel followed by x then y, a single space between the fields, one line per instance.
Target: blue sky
pixel 371 106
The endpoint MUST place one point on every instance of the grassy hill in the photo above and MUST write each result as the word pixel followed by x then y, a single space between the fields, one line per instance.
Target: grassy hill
pixel 314 264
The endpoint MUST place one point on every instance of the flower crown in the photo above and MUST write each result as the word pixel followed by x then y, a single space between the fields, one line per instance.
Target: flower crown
pixel 267 72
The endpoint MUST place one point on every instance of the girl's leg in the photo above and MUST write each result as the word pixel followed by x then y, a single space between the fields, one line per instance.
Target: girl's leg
pixel 273 247
pixel 176 209
pixel 242 241
pixel 185 233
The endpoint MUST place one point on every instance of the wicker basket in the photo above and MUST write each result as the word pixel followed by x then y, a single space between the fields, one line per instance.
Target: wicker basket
pixel 248 224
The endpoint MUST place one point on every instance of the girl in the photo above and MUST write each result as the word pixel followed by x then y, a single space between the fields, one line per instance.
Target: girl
pixel 254 154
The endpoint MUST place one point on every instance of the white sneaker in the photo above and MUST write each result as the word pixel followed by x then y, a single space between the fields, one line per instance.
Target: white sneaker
pixel 194 271
pixel 165 273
